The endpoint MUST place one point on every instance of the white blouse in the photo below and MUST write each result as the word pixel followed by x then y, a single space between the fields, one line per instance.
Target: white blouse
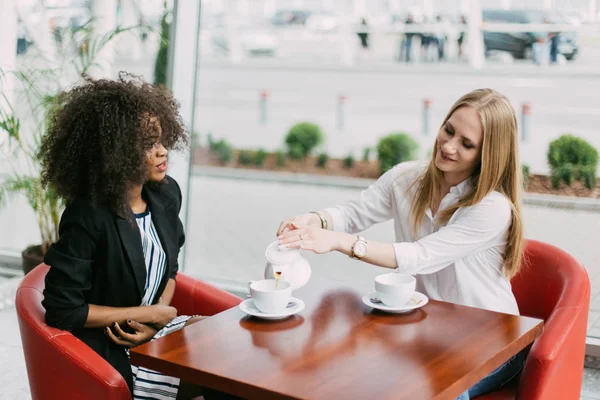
pixel 459 262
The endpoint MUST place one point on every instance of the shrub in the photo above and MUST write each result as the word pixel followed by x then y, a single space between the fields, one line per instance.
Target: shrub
pixel 195 140
pixel 280 158
pixel 366 154
pixel 588 175
pixel 573 150
pixel 567 173
pixel 246 157
pixel 296 152
pixel 555 179
pixel 394 149
pixel 571 157
pixel 525 169
pixel 322 160
pixel 302 138
pixel 259 157
pixel 223 149
pixel 349 161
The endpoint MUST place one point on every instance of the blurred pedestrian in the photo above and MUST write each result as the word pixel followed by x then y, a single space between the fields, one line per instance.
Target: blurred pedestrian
pixel 363 34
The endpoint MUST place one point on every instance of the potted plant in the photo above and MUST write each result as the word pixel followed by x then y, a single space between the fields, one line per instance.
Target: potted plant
pixel 39 89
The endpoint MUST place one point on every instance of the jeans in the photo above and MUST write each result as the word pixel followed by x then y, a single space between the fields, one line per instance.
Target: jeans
pixel 497 379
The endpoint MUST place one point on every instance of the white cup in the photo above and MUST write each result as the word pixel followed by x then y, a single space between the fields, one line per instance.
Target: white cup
pixel 267 298
pixel 395 290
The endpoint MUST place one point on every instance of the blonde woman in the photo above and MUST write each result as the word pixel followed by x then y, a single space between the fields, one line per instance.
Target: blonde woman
pixel 457 219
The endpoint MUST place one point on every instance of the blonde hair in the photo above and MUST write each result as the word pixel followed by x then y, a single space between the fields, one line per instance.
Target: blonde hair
pixel 499 170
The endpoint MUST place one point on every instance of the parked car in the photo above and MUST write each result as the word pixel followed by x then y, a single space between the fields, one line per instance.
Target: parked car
pixel 290 17
pixel 322 22
pixel 254 40
pixel 520 44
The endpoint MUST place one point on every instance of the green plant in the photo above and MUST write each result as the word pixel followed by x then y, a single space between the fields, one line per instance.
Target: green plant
pixel 296 152
pixel 39 98
pixel 259 157
pixel 571 157
pixel 246 157
pixel 566 173
pixel 195 140
pixel 588 175
pixel 302 138
pixel 322 160
pixel 162 57
pixel 526 174
pixel 349 161
pixel 573 150
pixel 223 149
pixel 366 154
pixel 555 178
pixel 280 158
pixel 394 149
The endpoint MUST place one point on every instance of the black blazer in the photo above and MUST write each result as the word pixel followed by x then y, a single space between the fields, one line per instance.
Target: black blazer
pixel 99 260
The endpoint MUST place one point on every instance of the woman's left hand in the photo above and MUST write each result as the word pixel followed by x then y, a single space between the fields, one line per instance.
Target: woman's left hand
pixel 142 334
pixel 315 239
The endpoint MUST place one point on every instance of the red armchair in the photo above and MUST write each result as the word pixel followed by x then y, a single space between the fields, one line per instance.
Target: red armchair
pixel 552 286
pixel 60 366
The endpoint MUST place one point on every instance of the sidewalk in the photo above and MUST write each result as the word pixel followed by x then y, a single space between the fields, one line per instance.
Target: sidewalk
pixel 491 68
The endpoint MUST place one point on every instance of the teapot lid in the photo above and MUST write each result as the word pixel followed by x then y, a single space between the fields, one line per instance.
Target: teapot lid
pixel 275 255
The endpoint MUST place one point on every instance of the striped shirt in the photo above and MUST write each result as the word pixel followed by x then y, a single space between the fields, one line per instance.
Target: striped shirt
pixel 154 255
pixel 148 384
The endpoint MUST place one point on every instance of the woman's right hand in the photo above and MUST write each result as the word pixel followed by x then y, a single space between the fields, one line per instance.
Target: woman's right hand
pixel 303 220
pixel 161 315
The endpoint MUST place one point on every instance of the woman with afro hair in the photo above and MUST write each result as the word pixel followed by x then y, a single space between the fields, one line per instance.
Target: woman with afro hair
pixel 112 270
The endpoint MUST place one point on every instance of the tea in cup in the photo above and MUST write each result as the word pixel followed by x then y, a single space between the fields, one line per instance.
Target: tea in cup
pixel 270 296
pixel 395 290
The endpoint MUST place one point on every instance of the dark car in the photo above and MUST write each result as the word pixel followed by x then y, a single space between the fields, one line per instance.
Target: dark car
pixel 290 17
pixel 520 44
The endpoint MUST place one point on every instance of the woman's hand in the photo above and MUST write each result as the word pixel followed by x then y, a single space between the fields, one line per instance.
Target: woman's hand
pixel 141 334
pixel 304 220
pixel 161 315
pixel 310 238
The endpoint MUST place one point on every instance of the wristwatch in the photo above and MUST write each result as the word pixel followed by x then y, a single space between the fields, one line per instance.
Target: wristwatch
pixel 359 249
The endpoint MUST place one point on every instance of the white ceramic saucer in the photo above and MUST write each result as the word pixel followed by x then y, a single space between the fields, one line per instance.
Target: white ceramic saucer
pixel 249 308
pixel 418 300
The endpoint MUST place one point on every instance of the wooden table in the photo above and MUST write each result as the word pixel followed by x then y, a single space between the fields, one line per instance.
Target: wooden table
pixel 339 348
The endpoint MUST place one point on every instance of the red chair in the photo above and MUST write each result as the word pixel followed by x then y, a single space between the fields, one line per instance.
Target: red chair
pixel 552 286
pixel 60 366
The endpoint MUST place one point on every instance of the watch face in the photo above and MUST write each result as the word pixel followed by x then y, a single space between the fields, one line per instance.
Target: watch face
pixel 360 249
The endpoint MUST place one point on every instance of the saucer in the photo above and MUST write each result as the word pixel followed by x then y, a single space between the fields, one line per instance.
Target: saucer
pixel 411 305
pixel 249 308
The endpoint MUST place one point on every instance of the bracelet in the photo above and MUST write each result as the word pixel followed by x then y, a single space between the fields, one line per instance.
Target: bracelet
pixel 322 218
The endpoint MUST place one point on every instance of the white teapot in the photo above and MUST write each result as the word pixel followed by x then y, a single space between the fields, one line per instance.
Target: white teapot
pixel 294 268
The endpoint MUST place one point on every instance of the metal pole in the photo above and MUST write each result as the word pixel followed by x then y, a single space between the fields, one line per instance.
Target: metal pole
pixel 426 116
pixel 592 10
pixel 475 36
pixel 105 21
pixel 182 76
pixel 525 122
pixel 262 105
pixel 341 111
